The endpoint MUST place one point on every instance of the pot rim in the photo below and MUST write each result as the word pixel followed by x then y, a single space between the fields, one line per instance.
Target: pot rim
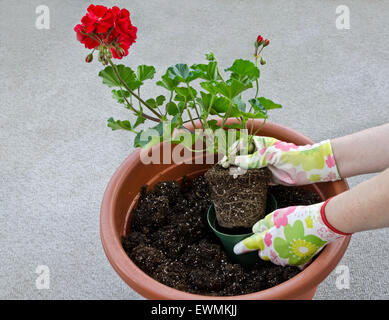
pixel 304 281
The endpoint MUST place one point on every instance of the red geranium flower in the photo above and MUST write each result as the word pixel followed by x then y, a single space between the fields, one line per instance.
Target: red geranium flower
pixel 108 30
pixel 88 41
pixel 98 18
pixel 122 20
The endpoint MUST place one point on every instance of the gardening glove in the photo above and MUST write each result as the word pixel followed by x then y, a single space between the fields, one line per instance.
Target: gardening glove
pixel 291 236
pixel 290 164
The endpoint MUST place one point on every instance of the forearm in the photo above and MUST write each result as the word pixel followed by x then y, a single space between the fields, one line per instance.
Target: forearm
pixel 364 207
pixel 363 152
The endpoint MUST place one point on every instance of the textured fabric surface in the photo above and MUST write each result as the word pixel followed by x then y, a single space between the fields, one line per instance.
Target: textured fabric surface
pixel 57 155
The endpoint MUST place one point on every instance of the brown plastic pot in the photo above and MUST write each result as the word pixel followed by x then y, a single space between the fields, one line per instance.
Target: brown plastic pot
pixel 121 196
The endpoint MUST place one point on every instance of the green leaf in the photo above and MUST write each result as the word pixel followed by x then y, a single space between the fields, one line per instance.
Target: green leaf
pixel 206 71
pixel 119 95
pixel 181 73
pixel 148 142
pixel 213 124
pixel 205 100
pixel 209 86
pixel 244 70
pixel 261 106
pixel 268 104
pixel 119 124
pixel 257 115
pixel 109 76
pixel 239 103
pixel 231 88
pixel 233 126
pixel 168 83
pixel 149 137
pixel 186 93
pixel 145 72
pixel 126 73
pixel 177 120
pixel 139 120
pixel 160 100
pixel 220 107
pixel 258 107
pixel 152 103
pixel 172 108
pixel 181 106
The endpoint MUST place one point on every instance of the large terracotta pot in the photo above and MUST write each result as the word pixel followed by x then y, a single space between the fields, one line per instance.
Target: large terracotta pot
pixel 122 193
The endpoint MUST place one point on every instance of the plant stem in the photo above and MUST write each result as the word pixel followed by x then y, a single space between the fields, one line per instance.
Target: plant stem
pixel 210 106
pixel 257 91
pixel 186 121
pixel 191 120
pixel 140 113
pixel 257 84
pixel 227 114
pixel 194 103
pixel 260 127
pixel 132 92
pixel 198 116
pixel 170 100
pixel 218 73
pixel 140 106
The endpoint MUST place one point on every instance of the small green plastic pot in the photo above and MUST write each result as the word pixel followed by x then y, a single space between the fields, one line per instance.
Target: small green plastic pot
pixel 230 240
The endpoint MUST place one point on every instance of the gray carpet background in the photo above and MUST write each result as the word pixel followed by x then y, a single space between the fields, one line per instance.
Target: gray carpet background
pixel 57 155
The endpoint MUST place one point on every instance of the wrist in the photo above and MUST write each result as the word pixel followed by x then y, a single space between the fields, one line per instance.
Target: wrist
pixel 320 165
pixel 326 221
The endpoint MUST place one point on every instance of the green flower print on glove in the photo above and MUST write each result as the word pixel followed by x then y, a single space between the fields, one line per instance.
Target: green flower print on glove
pixel 310 159
pixel 290 164
pixel 290 236
pixel 297 247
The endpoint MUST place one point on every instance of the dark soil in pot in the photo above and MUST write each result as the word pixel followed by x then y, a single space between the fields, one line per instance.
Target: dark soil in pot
pixel 171 241
pixel 240 200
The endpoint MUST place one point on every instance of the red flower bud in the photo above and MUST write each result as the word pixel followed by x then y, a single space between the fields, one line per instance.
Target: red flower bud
pixel 266 42
pixel 259 40
pixel 262 61
pixel 89 58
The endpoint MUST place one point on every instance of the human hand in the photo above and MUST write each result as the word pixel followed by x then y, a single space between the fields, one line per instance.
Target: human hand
pixel 290 236
pixel 290 164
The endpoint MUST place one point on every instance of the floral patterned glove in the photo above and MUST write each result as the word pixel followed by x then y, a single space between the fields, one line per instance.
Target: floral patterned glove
pixel 291 236
pixel 290 164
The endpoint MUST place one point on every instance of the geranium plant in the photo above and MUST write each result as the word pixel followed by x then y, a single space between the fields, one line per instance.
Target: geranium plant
pixel 197 92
